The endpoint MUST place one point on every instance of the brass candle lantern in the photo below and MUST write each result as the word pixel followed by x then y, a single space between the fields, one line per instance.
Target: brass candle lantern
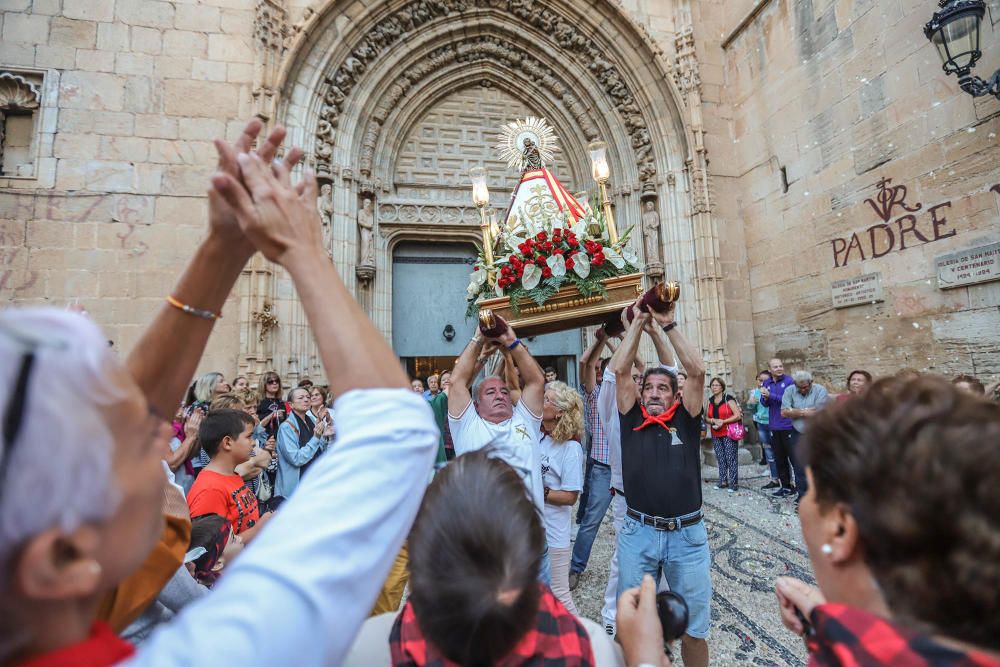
pixel 602 172
pixel 481 198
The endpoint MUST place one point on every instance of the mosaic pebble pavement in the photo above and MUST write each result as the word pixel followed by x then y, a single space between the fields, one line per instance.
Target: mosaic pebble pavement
pixel 753 538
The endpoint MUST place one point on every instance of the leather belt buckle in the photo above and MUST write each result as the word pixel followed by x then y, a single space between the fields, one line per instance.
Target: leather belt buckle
pixel 664 524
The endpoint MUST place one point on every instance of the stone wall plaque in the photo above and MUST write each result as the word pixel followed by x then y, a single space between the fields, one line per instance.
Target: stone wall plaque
pixel 857 291
pixel 968 267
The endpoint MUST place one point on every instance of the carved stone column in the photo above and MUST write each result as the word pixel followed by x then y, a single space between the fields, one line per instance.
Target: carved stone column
pixel 708 281
pixel 271 40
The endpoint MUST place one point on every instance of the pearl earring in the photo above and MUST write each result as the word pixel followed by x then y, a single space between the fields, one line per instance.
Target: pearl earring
pixel 826 549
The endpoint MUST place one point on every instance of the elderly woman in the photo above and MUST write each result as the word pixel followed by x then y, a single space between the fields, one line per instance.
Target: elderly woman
pixel 857 382
pixel 83 493
pixel 562 476
pixel 300 440
pixel 903 533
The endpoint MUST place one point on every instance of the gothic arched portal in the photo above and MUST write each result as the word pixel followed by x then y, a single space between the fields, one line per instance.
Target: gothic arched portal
pixel 358 85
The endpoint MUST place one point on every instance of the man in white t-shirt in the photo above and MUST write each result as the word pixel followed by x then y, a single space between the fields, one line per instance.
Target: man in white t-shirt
pixel 487 417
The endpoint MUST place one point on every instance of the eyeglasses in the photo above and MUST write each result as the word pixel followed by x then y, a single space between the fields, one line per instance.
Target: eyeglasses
pixel 273 381
pixel 13 414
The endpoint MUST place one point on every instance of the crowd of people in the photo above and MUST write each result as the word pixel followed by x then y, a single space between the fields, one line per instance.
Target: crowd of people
pixel 262 526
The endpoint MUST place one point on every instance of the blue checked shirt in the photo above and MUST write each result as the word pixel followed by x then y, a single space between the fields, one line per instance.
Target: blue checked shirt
pixel 598 439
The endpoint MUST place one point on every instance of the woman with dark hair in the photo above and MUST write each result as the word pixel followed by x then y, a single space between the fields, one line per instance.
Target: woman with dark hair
pixel 300 439
pixel 857 382
pixel 722 411
pixel 318 411
pixel 761 419
pixel 270 407
pixel 900 527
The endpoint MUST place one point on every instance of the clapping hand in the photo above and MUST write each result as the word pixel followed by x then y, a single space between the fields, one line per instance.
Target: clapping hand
pixel 222 218
pixel 280 219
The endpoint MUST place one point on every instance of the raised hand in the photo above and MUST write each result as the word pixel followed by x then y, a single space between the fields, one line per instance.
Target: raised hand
pixel 222 217
pixel 280 219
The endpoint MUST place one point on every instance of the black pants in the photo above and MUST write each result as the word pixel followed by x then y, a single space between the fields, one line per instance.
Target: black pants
pixel 782 444
pixel 801 482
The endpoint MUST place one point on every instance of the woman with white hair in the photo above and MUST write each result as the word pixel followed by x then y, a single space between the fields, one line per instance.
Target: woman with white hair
pixel 81 479
pixel 562 475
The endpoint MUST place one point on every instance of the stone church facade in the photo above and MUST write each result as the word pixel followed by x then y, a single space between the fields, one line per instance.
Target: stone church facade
pixel 807 160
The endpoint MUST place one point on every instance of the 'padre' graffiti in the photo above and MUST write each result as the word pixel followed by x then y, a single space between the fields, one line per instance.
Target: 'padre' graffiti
pixel 881 239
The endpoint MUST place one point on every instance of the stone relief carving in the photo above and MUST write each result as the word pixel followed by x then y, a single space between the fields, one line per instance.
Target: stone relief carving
pixel 270 33
pixel 415 14
pixel 651 233
pixel 686 73
pixel 325 205
pixel 366 234
pixel 17 93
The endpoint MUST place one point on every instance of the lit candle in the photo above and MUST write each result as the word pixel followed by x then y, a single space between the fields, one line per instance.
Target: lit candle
pixel 599 161
pixel 480 193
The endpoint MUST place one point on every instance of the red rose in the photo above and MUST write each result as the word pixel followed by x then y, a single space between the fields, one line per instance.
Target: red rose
pixel 597 260
pixel 558 251
pixel 572 242
pixel 540 260
pixel 546 272
pixel 520 271
pixel 541 236
pixel 569 263
pixel 475 268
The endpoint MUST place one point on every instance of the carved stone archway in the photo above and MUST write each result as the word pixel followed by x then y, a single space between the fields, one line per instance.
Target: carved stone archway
pixel 355 79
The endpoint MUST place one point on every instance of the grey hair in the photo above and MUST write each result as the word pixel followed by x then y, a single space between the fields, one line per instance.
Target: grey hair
pixel 478 384
pixel 802 376
pixel 60 470
pixel 204 387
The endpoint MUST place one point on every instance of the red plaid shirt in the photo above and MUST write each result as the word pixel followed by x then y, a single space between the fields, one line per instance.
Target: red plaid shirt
pixel 557 638
pixel 849 637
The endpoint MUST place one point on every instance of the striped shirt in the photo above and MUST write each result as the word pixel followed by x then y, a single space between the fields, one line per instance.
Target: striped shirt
pixel 598 439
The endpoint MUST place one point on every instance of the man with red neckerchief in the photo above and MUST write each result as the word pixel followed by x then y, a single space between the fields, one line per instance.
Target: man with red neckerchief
pixel 663 530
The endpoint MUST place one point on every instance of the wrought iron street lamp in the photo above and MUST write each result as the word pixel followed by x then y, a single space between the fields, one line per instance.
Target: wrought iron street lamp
pixel 954 32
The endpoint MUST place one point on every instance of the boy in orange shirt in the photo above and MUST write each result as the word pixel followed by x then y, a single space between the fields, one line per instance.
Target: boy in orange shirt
pixel 225 436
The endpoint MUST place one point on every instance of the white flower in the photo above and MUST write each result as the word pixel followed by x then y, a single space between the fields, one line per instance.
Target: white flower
pixel 498 289
pixel 581 264
pixel 477 278
pixel 630 256
pixel 532 274
pixel 580 228
pixel 614 257
pixel 558 265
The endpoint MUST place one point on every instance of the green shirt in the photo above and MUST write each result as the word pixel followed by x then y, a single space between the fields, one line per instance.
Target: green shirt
pixel 439 405
pixel 761 411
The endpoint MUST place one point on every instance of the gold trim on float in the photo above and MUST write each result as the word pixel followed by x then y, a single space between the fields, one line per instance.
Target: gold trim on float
pixel 567 309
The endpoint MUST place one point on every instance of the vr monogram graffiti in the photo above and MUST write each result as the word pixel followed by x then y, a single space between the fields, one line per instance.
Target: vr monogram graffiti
pixel 882 238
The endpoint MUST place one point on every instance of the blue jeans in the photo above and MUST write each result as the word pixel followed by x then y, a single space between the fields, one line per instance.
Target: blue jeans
pixel 545 570
pixel 764 435
pixel 598 501
pixel 683 557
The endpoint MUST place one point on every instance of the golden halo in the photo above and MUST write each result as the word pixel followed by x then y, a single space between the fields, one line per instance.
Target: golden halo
pixel 510 144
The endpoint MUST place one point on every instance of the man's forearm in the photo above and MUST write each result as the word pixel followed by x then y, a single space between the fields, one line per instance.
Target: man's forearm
pixel 688 356
pixel 624 356
pixel 339 324
pixel 662 349
pixel 465 366
pixel 531 372
pixel 166 357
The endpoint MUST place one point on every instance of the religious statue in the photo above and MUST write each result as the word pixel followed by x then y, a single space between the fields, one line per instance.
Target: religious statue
pixel 366 232
pixel 325 205
pixel 651 232
pixel 531 159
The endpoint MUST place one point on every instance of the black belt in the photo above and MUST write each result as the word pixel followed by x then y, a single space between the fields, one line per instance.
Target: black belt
pixel 595 462
pixel 659 523
pixel 617 492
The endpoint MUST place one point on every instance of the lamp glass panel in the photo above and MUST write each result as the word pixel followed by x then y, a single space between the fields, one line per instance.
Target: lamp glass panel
pixel 962 37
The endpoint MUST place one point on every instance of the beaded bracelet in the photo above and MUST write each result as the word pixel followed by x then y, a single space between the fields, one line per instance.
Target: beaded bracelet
pixel 191 310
